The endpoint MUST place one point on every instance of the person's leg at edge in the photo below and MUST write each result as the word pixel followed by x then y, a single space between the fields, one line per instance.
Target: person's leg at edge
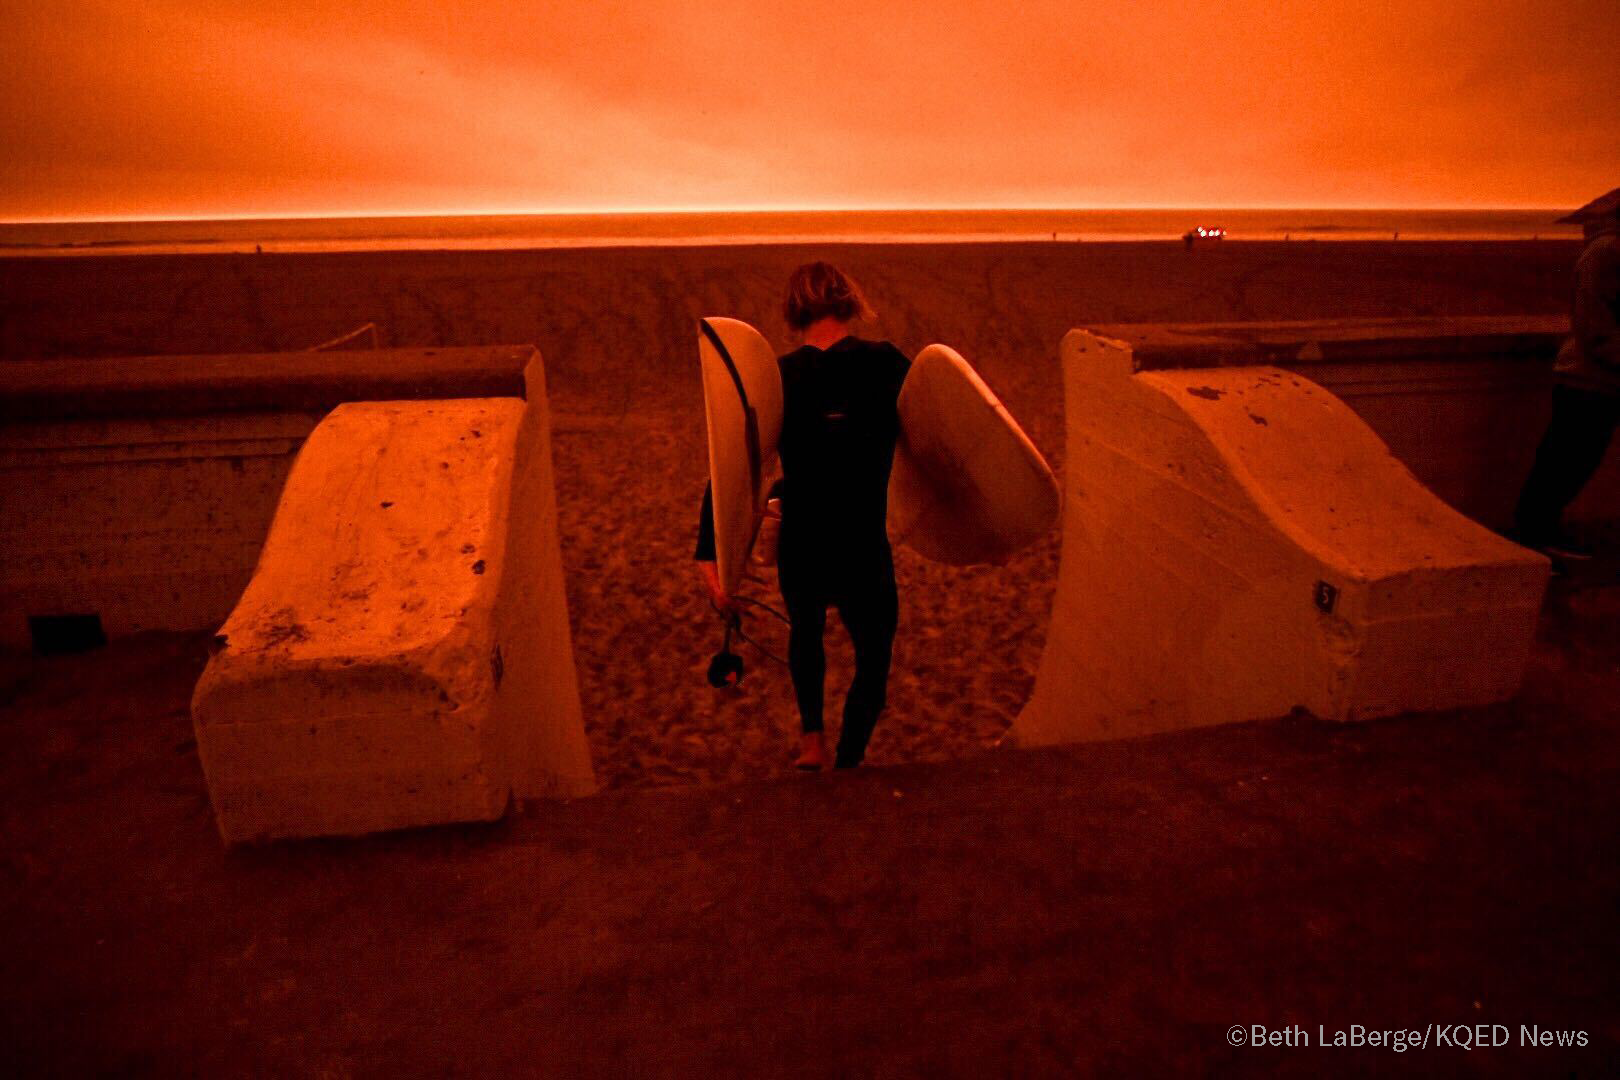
pixel 807 659
pixel 871 615
pixel 1577 438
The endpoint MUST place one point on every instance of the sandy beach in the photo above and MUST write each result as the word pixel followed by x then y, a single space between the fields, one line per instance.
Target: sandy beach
pixel 616 328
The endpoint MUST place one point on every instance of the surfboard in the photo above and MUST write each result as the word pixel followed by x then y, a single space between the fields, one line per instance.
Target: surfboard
pixel 968 486
pixel 742 404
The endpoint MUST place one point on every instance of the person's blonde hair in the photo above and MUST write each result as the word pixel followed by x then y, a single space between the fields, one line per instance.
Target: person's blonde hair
pixel 818 290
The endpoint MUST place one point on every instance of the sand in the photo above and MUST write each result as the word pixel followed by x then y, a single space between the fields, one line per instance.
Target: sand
pixel 617 331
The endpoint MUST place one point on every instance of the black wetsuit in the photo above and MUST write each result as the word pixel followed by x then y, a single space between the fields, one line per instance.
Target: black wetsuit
pixel 839 428
pixel 1585 398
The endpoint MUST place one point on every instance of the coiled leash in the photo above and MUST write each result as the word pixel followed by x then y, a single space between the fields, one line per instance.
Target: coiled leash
pixel 726 669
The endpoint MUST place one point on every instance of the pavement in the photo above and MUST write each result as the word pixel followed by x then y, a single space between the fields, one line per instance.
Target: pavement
pixel 1126 908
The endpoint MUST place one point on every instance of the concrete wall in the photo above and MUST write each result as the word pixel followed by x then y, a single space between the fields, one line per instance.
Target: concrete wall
pixel 615 325
pixel 150 523
pixel 140 490
pixel 1462 402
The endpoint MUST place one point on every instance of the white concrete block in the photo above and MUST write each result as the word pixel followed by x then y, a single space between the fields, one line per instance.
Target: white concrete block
pixel 402 654
pixel 1238 544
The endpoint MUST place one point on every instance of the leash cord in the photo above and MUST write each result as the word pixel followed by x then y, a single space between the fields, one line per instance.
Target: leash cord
pixel 764 607
pixel 762 649
pixel 734 626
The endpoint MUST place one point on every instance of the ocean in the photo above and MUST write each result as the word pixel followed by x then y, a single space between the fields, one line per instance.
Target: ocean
pixel 520 231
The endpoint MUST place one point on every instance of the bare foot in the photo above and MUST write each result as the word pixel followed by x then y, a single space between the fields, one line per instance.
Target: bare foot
pixel 812 752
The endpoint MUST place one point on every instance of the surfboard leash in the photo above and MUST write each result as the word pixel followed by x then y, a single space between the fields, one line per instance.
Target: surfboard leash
pixel 726 668
pixel 772 611
pixel 751 602
pixel 763 651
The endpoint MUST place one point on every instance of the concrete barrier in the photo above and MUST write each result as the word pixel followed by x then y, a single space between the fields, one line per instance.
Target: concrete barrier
pixel 1238 544
pixel 1462 402
pixel 402 654
pixel 138 491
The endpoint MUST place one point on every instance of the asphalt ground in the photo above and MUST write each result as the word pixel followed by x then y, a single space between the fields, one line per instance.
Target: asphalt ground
pixel 1113 908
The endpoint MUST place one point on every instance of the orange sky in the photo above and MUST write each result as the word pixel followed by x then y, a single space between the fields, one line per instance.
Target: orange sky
pixel 166 108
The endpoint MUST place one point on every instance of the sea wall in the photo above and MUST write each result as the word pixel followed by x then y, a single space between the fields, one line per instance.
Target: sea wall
pixel 139 491
pixel 1462 402
pixel 616 328
pixel 615 325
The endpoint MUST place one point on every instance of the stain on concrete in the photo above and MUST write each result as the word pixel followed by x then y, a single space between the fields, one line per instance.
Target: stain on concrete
pixel 284 629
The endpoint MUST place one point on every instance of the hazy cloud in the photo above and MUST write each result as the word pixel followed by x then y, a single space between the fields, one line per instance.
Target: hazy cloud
pixel 309 106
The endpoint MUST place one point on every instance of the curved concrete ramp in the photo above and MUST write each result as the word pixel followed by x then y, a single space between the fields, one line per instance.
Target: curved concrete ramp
pixel 1238 544
pixel 402 654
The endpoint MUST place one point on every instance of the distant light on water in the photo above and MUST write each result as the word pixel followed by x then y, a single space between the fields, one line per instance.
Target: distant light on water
pixel 696 227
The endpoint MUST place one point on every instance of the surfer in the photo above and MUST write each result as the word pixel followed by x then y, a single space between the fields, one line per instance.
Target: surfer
pixel 839 429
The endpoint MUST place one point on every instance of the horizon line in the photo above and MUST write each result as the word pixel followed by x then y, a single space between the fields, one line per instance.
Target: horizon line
pixel 355 215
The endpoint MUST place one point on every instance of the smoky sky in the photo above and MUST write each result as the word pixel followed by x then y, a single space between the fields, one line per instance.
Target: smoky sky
pixel 166 108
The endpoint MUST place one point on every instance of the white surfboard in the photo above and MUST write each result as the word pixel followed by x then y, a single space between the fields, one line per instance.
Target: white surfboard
pixel 968 485
pixel 742 402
